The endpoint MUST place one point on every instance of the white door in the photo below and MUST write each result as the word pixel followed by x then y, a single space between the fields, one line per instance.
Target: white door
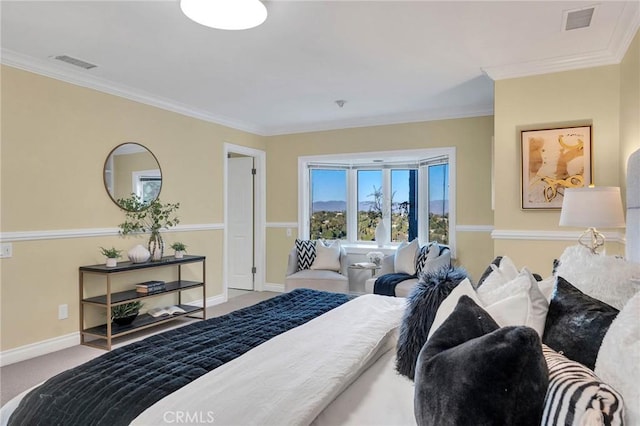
pixel 240 222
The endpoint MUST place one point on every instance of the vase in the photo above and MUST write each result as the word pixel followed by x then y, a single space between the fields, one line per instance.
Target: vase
pixel 156 246
pixel 111 262
pixel 179 254
pixel 381 234
pixel 138 254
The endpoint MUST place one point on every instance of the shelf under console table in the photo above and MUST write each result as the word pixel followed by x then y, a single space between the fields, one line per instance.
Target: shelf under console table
pixel 91 336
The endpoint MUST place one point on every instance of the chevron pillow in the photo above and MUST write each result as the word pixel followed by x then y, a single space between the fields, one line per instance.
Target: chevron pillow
pixel 306 250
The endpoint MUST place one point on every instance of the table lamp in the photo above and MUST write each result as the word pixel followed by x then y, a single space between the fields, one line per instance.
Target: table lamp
pixel 592 207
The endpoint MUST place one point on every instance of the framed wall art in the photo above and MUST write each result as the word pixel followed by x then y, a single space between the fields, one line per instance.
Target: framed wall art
pixel 553 160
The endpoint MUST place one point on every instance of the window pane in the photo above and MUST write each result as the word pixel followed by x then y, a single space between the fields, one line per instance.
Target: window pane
pixel 404 219
pixel 439 203
pixel 369 203
pixel 150 189
pixel 328 204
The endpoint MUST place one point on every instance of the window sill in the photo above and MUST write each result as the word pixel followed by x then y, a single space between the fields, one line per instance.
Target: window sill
pixel 362 248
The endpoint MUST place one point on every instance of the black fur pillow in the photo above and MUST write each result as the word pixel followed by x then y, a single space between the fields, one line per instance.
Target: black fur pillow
pixel 472 373
pixel 576 323
pixel 423 303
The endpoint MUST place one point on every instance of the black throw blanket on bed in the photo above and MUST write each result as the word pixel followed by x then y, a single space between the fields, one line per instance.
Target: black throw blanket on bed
pixel 116 387
pixel 386 284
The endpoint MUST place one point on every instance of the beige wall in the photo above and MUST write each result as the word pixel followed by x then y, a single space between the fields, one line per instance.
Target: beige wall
pixel 588 96
pixel 55 138
pixel 629 106
pixel 470 136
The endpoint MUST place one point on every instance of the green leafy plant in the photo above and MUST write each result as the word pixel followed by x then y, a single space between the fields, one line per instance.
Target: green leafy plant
pixel 110 253
pixel 178 246
pixel 147 217
pixel 125 310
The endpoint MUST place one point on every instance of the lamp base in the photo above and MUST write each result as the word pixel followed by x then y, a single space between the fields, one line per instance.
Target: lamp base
pixel 592 239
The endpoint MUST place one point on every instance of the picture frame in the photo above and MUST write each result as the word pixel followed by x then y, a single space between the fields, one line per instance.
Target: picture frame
pixel 553 160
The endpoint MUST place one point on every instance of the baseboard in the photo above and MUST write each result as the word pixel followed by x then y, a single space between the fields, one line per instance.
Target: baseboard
pixel 273 287
pixel 211 301
pixel 48 346
pixel 44 347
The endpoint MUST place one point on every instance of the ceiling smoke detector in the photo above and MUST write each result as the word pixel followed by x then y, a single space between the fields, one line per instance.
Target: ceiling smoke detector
pixel 577 18
pixel 74 61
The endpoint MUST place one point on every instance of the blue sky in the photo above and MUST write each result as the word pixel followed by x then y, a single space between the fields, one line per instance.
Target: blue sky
pixel 330 185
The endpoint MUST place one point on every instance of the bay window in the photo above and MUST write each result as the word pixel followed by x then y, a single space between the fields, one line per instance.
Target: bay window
pixel 346 196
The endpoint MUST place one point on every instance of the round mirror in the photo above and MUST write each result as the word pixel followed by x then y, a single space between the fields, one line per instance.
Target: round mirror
pixel 131 169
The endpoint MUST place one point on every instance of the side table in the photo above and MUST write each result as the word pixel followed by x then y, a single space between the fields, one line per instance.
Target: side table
pixel 368 266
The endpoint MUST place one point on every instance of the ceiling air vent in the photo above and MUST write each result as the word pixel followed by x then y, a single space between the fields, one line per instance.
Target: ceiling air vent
pixel 76 62
pixel 578 18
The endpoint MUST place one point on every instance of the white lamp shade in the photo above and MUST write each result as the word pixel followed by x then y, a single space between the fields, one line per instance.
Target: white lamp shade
pixel 594 207
pixel 225 14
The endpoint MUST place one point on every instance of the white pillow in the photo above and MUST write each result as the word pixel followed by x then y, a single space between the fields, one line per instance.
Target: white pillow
pixel 518 302
pixel 618 362
pixel 506 272
pixel 440 262
pixel 405 258
pixel 327 258
pixel 522 294
pixel 546 287
pixel 434 251
pixel 605 278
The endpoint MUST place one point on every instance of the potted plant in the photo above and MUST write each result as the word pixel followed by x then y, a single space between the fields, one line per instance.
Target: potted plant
pixel 148 217
pixel 125 314
pixel 180 249
pixel 112 256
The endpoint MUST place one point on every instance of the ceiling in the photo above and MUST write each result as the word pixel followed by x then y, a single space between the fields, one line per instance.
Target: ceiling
pixel 392 61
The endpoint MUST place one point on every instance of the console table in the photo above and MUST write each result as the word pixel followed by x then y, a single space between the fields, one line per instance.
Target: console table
pixel 106 332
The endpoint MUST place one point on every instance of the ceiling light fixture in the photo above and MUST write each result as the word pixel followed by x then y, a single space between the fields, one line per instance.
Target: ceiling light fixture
pixel 340 102
pixel 225 14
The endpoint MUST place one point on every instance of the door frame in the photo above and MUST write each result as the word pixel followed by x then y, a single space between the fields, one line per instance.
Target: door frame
pixel 259 218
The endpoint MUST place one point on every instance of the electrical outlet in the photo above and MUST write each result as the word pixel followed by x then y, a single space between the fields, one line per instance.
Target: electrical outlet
pixel 63 311
pixel 288 232
pixel 6 250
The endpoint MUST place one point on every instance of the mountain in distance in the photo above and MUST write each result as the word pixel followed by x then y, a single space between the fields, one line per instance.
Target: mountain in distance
pixel 329 206
pixel 340 206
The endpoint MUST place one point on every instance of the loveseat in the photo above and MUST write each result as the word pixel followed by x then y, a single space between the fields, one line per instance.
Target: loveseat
pixel 409 259
pixel 312 264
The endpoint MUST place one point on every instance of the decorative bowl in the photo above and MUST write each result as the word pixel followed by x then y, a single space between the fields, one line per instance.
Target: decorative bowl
pixel 125 320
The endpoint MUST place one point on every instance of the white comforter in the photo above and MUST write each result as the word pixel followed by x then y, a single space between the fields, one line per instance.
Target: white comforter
pixel 291 378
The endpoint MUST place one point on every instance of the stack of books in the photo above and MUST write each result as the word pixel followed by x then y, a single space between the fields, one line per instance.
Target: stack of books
pixel 150 286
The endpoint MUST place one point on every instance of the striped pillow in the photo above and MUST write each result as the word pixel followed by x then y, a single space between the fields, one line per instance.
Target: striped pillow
pixel 576 396
pixel 306 250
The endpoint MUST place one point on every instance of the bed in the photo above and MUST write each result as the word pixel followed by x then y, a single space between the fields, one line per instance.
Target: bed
pixel 331 359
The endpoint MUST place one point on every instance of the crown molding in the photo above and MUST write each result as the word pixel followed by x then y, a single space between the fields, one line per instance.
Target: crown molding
pixel 60 72
pixel 621 38
pixel 411 117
